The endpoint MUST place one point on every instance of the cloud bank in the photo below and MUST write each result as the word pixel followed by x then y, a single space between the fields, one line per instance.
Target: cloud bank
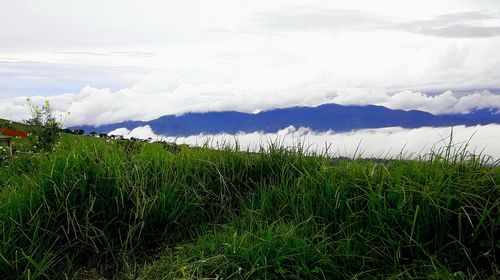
pixel 144 102
pixel 377 143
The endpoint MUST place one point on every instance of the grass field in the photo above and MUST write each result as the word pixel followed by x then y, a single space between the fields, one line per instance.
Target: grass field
pixel 97 209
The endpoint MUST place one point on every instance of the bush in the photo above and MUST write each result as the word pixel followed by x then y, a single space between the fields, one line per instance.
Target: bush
pixel 46 132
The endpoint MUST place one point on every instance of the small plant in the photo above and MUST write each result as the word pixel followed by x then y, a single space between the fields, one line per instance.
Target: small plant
pixel 4 153
pixel 47 126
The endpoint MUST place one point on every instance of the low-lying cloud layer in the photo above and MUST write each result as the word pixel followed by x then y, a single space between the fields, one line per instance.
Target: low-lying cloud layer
pixel 378 143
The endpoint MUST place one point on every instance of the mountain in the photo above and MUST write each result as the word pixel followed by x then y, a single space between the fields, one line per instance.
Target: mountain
pixel 325 117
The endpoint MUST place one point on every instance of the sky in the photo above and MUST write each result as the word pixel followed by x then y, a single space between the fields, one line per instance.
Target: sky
pixel 116 60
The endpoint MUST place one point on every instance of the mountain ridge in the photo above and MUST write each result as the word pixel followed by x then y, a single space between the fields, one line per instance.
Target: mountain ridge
pixel 339 118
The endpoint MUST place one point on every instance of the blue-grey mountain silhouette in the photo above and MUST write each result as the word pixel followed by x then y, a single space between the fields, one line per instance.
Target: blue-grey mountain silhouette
pixel 325 117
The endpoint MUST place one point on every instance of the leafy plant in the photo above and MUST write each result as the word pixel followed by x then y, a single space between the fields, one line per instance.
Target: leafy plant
pixel 47 126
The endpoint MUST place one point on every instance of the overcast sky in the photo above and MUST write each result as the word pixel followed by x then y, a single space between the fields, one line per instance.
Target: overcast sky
pixel 108 61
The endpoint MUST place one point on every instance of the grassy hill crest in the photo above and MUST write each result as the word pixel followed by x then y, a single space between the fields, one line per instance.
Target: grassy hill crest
pixel 116 209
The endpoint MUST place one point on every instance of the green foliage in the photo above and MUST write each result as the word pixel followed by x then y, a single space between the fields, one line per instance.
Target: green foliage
pixel 109 208
pixel 17 142
pixel 45 133
pixel 14 125
pixel 5 123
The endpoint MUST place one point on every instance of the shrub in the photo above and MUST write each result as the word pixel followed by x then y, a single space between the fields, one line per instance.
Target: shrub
pixel 47 126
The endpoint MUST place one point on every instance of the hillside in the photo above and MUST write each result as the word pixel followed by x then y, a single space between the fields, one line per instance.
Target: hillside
pixel 326 117
pixel 97 208
pixel 15 125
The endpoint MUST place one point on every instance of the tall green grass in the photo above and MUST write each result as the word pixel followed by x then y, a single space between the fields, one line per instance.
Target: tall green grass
pixel 122 209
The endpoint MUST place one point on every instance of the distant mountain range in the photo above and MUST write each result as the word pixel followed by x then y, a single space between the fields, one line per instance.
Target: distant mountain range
pixel 325 117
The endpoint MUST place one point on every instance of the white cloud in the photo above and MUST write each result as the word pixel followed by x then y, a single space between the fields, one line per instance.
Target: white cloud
pixel 143 102
pixel 141 132
pixel 470 24
pixel 124 132
pixel 443 103
pixel 379 143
